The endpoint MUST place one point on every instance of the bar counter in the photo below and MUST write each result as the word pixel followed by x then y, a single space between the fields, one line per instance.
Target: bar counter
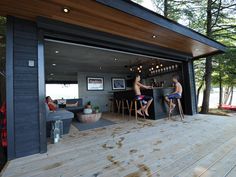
pixel 158 108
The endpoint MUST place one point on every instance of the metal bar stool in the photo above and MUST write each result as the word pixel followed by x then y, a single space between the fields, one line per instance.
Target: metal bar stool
pixel 181 113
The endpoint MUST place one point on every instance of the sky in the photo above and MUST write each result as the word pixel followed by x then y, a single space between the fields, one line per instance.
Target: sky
pixel 148 4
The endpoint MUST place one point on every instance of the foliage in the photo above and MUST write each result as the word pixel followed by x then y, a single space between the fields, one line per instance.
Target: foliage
pixel 217 20
pixel 2 25
pixel 226 66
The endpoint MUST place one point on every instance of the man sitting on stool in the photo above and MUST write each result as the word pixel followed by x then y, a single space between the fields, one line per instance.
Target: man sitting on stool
pixel 175 95
pixel 146 100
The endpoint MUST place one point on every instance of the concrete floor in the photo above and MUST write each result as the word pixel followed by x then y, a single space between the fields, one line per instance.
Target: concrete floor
pixel 202 145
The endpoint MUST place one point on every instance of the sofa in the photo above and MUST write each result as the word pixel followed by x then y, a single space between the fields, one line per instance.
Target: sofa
pixel 74 109
pixel 59 114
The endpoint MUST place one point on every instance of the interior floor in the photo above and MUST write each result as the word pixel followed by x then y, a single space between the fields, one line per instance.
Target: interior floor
pixel 202 145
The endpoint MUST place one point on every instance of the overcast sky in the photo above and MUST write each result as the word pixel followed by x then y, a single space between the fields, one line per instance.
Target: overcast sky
pixel 148 4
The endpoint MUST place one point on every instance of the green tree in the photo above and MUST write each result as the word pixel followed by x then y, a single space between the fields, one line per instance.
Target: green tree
pixel 214 18
pixel 224 75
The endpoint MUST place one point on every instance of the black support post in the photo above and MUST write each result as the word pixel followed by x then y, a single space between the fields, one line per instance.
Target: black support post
pixel 9 90
pixel 41 92
pixel 190 103
pixel 22 89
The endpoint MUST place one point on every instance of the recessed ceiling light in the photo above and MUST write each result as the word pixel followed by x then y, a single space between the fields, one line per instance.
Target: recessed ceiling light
pixel 54 64
pixel 56 51
pixel 157 66
pixel 161 65
pixel 65 10
pixel 154 36
pixel 116 59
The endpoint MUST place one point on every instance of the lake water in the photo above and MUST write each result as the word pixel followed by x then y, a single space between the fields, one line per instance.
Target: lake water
pixel 214 98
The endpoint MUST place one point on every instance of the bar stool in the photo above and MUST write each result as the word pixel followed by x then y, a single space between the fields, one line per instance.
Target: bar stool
pixel 123 107
pixel 118 104
pixel 111 105
pixel 181 113
pixel 134 102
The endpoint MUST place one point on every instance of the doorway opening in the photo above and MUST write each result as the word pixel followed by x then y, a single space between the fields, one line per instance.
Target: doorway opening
pixel 98 74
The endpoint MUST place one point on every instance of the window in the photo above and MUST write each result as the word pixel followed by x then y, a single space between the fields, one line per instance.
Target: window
pixel 58 91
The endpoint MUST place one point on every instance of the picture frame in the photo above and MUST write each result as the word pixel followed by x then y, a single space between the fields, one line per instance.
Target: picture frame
pixel 95 83
pixel 118 83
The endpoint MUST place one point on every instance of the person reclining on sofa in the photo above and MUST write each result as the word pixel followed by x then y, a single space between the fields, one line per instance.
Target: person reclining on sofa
pixel 51 105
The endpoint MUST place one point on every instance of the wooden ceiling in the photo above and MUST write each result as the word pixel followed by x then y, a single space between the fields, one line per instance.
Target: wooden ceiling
pixel 91 14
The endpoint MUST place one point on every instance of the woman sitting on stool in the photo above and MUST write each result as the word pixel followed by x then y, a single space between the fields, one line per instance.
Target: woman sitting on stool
pixel 146 100
pixel 175 95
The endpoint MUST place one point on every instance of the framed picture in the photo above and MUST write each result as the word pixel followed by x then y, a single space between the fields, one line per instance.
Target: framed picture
pixel 95 83
pixel 118 84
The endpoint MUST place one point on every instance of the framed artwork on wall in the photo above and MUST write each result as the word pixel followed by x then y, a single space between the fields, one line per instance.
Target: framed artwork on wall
pixel 95 83
pixel 118 84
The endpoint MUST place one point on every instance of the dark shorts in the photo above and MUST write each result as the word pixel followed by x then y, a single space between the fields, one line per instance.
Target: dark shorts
pixel 173 96
pixel 143 98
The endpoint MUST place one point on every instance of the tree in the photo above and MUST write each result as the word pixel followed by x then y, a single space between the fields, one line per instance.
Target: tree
pixel 208 65
pixel 214 18
pixel 199 76
pixel 224 75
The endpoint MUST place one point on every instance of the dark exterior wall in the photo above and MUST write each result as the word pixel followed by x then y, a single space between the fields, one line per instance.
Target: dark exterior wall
pixel 25 108
pixel 25 120
pixel 189 89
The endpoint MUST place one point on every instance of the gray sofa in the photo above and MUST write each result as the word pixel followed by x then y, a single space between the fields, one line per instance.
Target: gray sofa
pixel 74 109
pixel 59 114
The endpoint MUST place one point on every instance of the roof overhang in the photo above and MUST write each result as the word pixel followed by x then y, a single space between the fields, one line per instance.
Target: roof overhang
pixel 120 18
pixel 134 9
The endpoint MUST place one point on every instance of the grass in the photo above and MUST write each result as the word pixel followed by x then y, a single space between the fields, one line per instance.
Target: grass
pixel 219 112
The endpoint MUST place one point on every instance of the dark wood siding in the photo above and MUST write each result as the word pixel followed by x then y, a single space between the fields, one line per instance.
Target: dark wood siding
pixel 190 103
pixel 26 121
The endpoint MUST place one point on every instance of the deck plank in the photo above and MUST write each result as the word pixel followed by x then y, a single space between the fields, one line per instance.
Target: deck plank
pixel 147 148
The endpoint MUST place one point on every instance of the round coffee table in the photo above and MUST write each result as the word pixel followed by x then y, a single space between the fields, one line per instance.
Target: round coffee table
pixel 88 118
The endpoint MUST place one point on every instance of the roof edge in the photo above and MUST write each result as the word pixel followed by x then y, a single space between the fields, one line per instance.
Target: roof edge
pixel 139 11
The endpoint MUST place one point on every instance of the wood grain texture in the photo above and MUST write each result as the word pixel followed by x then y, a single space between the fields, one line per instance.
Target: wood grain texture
pixel 104 19
pixel 26 123
pixel 201 145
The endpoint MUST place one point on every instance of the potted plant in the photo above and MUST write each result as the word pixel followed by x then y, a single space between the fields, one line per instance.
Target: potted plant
pixel 88 105
pixel 88 108
pixel 96 109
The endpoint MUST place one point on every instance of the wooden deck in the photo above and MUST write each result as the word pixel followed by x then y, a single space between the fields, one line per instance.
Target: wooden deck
pixel 202 145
